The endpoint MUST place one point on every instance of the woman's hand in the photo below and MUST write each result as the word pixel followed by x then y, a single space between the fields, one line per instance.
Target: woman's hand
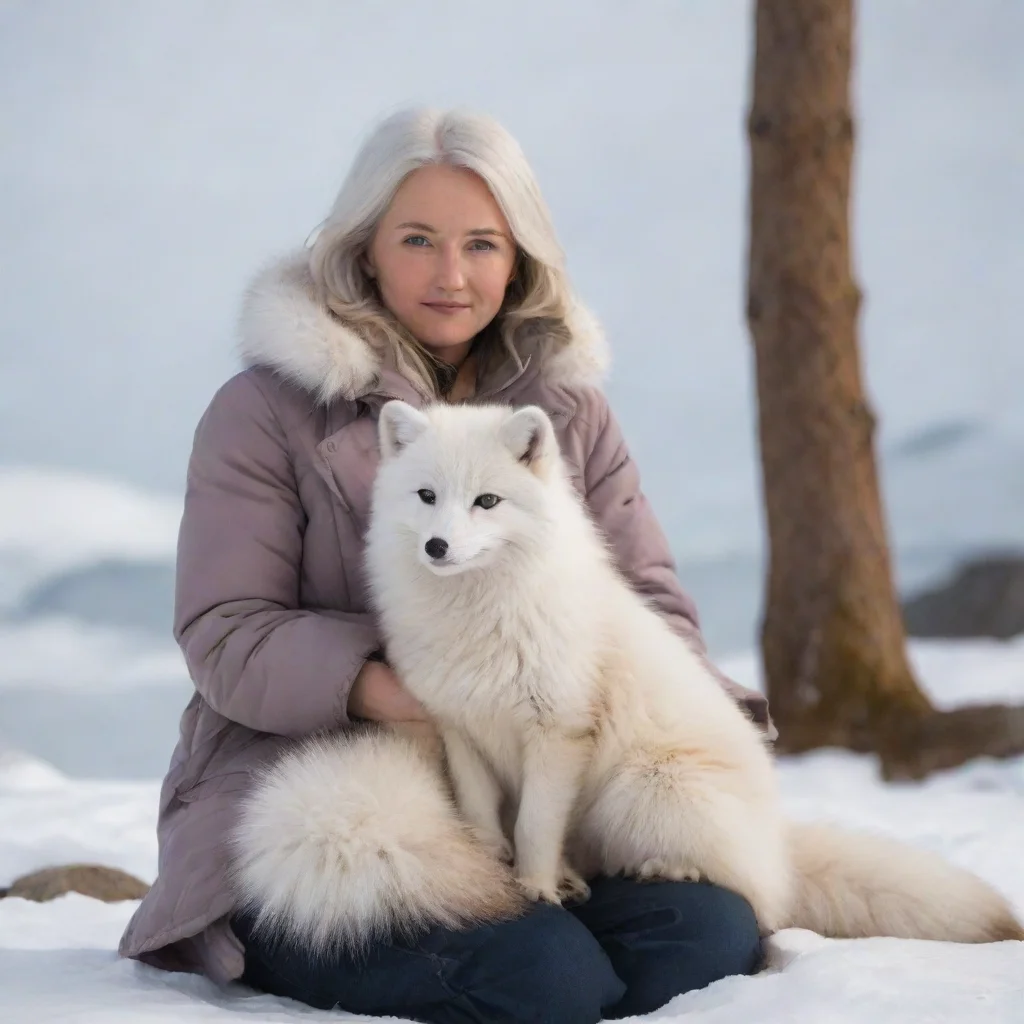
pixel 378 694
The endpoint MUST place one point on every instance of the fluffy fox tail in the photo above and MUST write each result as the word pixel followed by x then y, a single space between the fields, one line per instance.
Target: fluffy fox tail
pixel 354 837
pixel 850 885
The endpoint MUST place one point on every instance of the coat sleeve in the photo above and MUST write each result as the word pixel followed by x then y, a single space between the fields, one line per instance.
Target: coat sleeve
pixel 641 549
pixel 255 655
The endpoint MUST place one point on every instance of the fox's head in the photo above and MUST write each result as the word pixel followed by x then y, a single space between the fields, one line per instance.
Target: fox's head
pixel 465 485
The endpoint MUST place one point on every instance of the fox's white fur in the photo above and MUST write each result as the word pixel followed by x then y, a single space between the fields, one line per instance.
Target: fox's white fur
pixel 570 707
pixel 353 837
pixel 581 734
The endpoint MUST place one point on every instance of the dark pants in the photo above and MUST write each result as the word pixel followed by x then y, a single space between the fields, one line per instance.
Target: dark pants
pixel 628 950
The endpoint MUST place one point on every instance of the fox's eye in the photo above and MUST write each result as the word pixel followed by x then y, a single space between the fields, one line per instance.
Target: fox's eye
pixel 487 500
pixel 426 496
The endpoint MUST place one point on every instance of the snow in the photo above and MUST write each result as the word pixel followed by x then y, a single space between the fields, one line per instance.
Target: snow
pixel 55 520
pixel 66 517
pixel 86 564
pixel 58 653
pixel 884 981
pixel 57 960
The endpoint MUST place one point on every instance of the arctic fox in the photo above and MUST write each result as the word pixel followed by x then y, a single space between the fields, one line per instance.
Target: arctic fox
pixel 581 735
pixel 570 707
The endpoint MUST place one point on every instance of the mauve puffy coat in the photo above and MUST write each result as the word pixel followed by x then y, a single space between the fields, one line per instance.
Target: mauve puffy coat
pixel 271 611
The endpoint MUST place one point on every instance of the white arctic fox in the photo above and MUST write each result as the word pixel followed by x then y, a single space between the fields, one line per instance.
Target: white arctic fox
pixel 568 708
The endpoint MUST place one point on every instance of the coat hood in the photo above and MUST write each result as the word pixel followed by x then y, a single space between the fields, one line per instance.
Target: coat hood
pixel 284 326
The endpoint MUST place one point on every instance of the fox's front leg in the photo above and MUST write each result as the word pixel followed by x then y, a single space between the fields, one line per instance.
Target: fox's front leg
pixel 477 792
pixel 553 765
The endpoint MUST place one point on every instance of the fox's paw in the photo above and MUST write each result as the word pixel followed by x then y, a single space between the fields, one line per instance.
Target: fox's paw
pixel 538 891
pixel 573 886
pixel 658 869
pixel 570 886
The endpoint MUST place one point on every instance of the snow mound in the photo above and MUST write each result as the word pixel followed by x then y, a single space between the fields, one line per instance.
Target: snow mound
pixel 974 816
pixel 52 521
pixel 60 654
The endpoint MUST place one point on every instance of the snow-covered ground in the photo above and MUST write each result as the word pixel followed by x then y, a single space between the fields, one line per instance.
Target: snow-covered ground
pixel 57 960
pixel 90 693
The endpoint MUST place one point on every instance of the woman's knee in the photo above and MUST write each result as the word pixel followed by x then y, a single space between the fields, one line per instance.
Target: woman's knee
pixel 666 938
pixel 544 967
pixel 726 929
pixel 715 925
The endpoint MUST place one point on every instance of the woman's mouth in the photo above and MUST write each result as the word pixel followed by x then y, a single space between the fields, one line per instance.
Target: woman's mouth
pixel 446 308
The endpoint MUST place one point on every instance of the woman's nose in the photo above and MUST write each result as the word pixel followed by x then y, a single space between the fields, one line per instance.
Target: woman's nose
pixel 451 274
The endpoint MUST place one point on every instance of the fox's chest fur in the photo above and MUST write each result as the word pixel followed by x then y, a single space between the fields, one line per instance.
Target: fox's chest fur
pixel 496 663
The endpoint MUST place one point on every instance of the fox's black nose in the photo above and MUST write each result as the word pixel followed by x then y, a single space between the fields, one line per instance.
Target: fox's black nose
pixel 436 548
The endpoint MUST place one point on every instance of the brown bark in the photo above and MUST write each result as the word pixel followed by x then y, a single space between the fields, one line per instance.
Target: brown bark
pixel 832 636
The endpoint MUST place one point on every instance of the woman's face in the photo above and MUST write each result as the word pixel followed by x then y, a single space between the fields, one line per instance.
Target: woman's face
pixel 442 256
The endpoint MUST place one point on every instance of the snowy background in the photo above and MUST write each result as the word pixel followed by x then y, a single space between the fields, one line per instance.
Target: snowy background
pixel 153 153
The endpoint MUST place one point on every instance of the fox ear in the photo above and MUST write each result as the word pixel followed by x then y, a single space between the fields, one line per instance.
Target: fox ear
pixel 529 436
pixel 400 424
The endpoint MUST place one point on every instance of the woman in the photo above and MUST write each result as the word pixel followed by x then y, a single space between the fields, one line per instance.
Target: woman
pixel 437 276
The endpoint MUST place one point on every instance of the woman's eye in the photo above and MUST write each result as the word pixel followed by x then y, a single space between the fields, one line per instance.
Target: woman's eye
pixel 417 240
pixel 487 500
pixel 482 245
pixel 426 496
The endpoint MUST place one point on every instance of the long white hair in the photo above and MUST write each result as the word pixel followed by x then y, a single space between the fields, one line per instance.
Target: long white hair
pixel 539 297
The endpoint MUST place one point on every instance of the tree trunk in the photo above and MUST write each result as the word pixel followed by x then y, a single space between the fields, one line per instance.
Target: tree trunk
pixel 832 635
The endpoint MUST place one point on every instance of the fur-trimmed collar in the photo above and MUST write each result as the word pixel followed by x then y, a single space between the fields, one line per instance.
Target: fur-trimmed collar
pixel 284 326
